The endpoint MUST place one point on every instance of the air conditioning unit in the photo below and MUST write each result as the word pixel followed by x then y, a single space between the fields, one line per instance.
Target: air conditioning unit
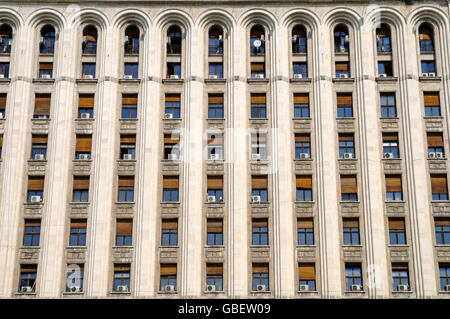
pixel 172 156
pixel 174 76
pixel 402 288
pixel 298 76
pixel 348 155
pixel 256 199
pixel 388 155
pixel 383 75
pixel 89 76
pixel 447 288
pixel 342 49
pixel 169 288
pixel 303 288
pixel 128 76
pixel 126 39
pixel 439 155
pixel 304 155
pixel 259 76
pixel 211 199
pixel 42 116
pixel 85 115
pixel 45 76
pixel 26 289
pixel 127 156
pixel 168 116
pixel 75 289
pixel 84 156
pixel 355 288
pixel 343 75
pixel 2 76
pixel 431 155
pixel 431 74
pixel 424 74
pixel 261 288
pixel 213 76
pixel 2 115
pixel 35 199
pixel 39 157
pixel 123 288
pixel 256 156
pixel 347 38
pixel 214 157
pixel 211 288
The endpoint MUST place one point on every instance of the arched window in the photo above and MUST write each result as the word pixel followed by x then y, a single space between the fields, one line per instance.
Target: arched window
pixel 5 38
pixel 299 40
pixel 215 40
pixel 174 40
pixel 426 38
pixel 383 39
pixel 132 40
pixel 257 40
pixel 90 40
pixel 47 40
pixel 341 39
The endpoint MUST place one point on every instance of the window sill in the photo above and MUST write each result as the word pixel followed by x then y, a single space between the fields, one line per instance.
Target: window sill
pixel 217 292
pixel 437 159
pixel 175 203
pixel 215 203
pixel 349 201
pixel 395 201
pixel 215 246
pixel 304 202
pixel 306 246
pixel 120 292
pixel 82 160
pixel 433 117
pixel 125 203
pixel 30 247
pixel 258 80
pixel 40 119
pixel 41 203
pixel 344 80
pixel 386 79
pixel 430 79
pixel 442 245
pixel 76 247
pixel 169 246
pixel 82 80
pixel 123 119
pixel 5 80
pixel 126 160
pixel 69 293
pixel 302 118
pixel 398 246
pixel 167 292
pixel 402 292
pixel 130 81
pixel 440 201
pixel 32 160
pixel 391 159
pixel 300 80
pixel 218 80
pixel 79 203
pixel 174 119
pixel 352 246
pixel 260 246
pixel 354 159
pixel 396 118
pixel 173 81
pixel 255 119
pixel 41 80
pixel 91 119
pixel 309 159
pixel 122 247
pixel 26 293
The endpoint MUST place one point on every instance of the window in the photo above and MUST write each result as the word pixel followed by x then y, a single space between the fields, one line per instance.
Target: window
pixel 129 106
pixel 344 105
pixel 439 187
pixel 388 108
pixel 426 38
pixel 32 232
pixel 27 281
pixel 300 68
pixel 442 231
pixel 81 188
pixel 301 105
pixel 302 146
pixel 304 188
pixel 432 105
pixel 126 188
pixel 127 146
pixel 397 234
pixel 353 276
pixel 257 70
pixel 260 276
pixel 383 39
pixel 299 41
pixel 47 40
pixel 259 187
pixel 346 146
pixel 173 70
pixel 3 97
pixel 393 187
pixel 83 147
pixel 215 188
pixel 89 45
pixel 348 188
pixel 214 230
pixel 216 69
pixel 35 188
pixel 307 275
pixel 131 45
pixel 215 41
pixel 88 70
pixel 75 277
pixel 260 231
pixel 259 145
pixel 168 276
pixel 85 106
pixel 174 40
pixel 214 276
pixel 4 69
pixel 444 277
pixel 390 145
pixel 121 277
pixel 5 39
pixel 435 145
pixel 170 189
pixel 342 69
pixel 258 105
pixel 341 39
pixel 305 231
pixel 42 105
pixel 38 147
pixel 132 69
pixel 215 106
pixel 169 232
pixel 171 146
pixel 351 231
pixel 427 67
pixel 257 43
pixel 78 232
pixel 385 68
pixel 400 276
pixel 124 232
pixel 173 105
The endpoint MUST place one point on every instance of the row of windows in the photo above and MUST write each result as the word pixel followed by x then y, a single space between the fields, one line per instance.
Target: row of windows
pixel 214 277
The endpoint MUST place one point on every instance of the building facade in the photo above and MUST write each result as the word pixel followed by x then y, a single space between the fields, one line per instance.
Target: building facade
pixel 223 149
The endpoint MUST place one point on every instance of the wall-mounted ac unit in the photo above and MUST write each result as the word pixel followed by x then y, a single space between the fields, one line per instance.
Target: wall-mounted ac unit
pixel 39 157
pixel 35 199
